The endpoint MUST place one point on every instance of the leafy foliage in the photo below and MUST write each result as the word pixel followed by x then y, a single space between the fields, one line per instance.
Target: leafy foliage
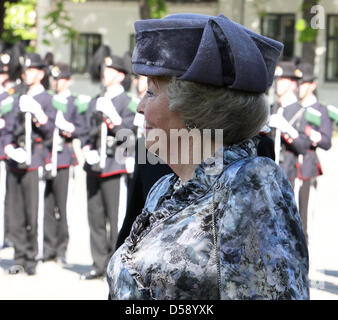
pixel 59 23
pixel 306 33
pixel 19 21
pixel 158 8
pixel 260 7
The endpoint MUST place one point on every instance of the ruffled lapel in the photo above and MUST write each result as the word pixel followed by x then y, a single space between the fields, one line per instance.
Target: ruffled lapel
pixel 208 171
pixel 176 197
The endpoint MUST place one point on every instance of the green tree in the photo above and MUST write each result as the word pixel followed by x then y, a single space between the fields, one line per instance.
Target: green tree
pixel 19 21
pixel 58 20
pixel 152 9
pixel 307 34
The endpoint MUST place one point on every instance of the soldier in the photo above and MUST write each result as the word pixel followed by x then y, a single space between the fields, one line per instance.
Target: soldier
pixel 318 128
pixel 32 125
pixel 67 124
pixel 105 174
pixel 6 106
pixel 288 120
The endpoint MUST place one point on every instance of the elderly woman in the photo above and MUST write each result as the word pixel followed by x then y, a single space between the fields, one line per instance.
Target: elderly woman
pixel 226 227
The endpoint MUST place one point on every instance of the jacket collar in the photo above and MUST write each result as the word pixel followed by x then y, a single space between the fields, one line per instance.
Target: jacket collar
pixel 169 197
pixel 210 169
pixel 35 90
pixel 114 92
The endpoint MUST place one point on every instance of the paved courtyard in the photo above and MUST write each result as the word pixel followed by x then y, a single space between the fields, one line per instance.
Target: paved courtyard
pixel 54 282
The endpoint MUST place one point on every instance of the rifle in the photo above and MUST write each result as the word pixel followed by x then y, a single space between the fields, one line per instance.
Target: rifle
pixel 28 138
pixel 24 136
pixel 98 136
pixel 54 158
pixel 56 135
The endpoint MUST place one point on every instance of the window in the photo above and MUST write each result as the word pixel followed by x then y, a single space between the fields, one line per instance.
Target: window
pixel 331 72
pixel 280 27
pixel 83 49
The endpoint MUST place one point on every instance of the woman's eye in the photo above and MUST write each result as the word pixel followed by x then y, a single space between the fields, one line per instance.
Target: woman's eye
pixel 150 93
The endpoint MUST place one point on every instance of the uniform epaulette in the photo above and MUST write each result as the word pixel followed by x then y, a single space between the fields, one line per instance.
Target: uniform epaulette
pixel 313 116
pixel 132 106
pixel 82 103
pixel 333 112
pixel 6 105
pixel 60 103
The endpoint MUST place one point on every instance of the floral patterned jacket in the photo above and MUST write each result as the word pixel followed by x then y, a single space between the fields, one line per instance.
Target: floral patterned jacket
pixel 233 233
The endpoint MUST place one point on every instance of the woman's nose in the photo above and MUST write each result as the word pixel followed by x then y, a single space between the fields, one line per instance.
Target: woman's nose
pixel 140 107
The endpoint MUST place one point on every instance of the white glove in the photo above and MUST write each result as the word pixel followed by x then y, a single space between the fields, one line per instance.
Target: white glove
pixel 314 135
pixel 130 163
pixel 17 154
pixel 59 143
pixel 279 122
pixel 106 106
pixel 29 104
pixel 91 156
pixel 2 123
pixel 62 123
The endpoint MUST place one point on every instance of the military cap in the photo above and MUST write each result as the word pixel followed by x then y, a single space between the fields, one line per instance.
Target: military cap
pixel 4 62
pixel 206 49
pixel 288 69
pixel 33 60
pixel 116 62
pixel 61 71
pixel 307 71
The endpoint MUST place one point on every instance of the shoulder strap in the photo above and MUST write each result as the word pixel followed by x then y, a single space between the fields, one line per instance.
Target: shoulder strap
pixel 297 116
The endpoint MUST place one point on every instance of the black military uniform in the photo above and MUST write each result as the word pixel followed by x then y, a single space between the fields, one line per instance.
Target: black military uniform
pixel 68 125
pixel 318 127
pixel 293 112
pixel 6 106
pixel 35 110
pixel 103 177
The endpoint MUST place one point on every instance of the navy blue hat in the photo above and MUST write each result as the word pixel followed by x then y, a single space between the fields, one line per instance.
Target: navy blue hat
pixel 206 49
